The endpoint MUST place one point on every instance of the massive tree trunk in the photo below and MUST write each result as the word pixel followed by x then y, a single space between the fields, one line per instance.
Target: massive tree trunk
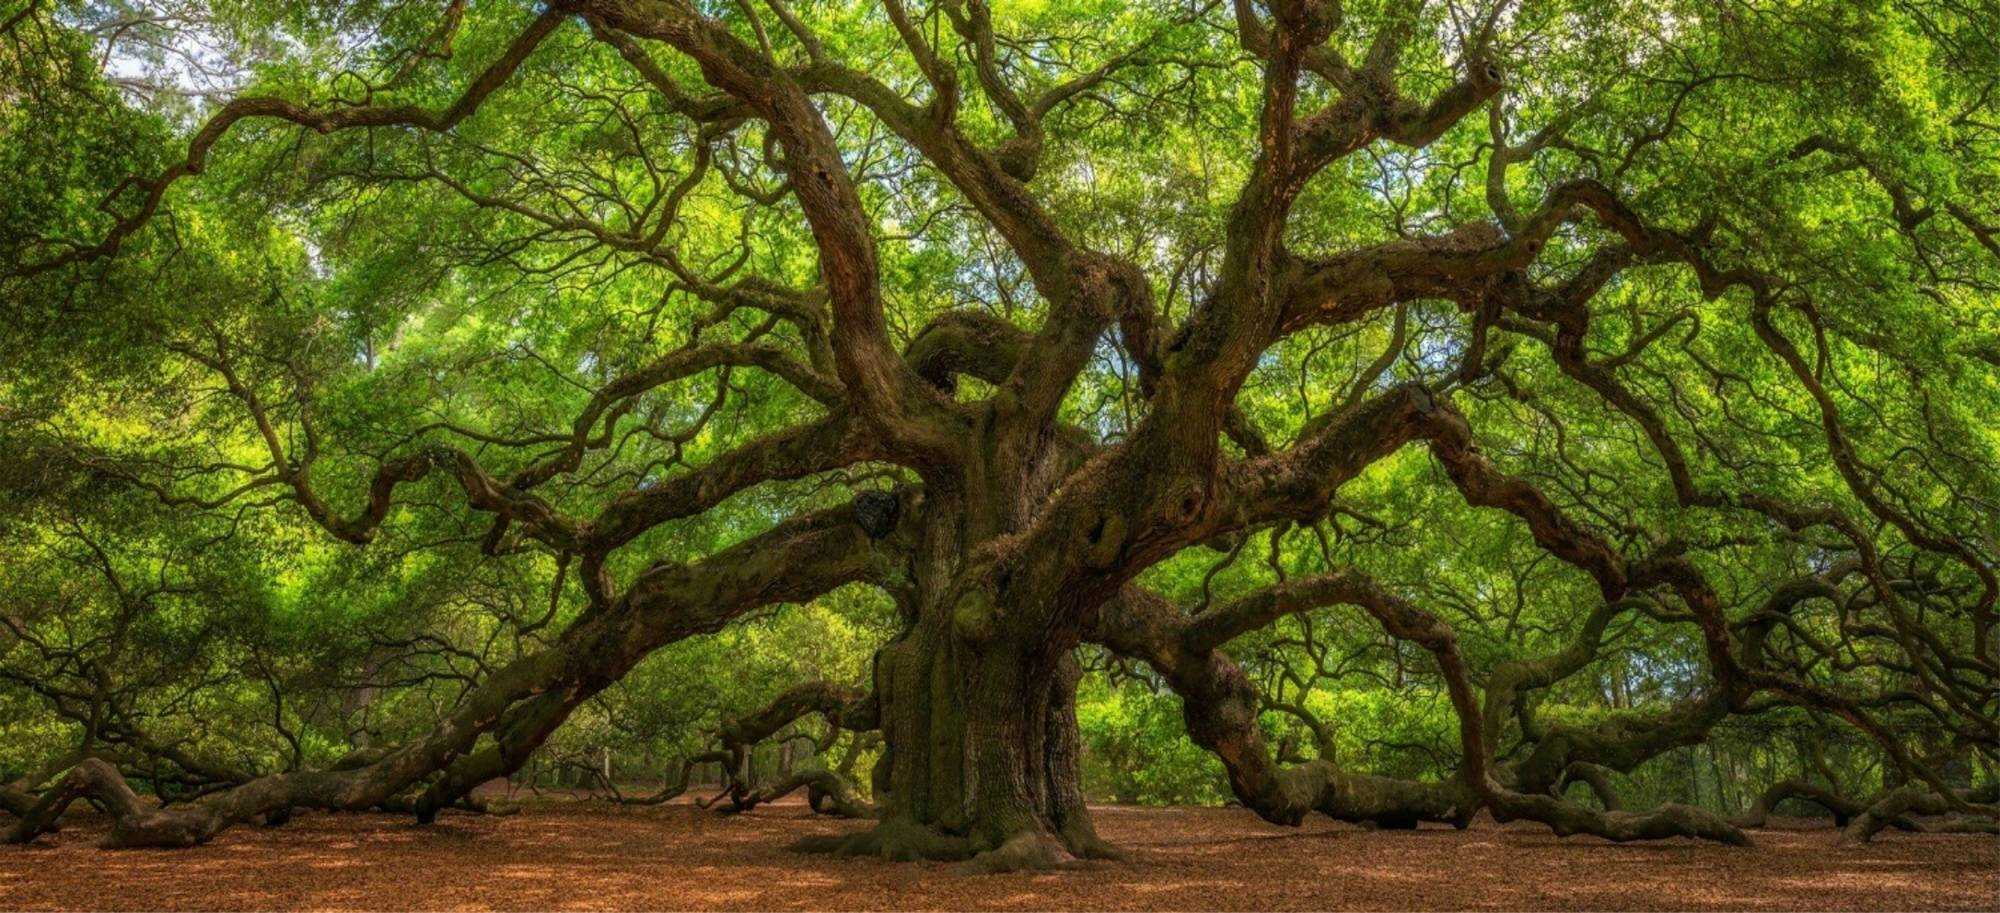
pixel 977 697
pixel 982 751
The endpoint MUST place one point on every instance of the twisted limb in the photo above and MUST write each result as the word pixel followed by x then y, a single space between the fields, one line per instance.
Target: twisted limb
pixel 672 789
pixel 1894 807
pixel 799 558
pixel 829 791
pixel 1598 778
pixel 1218 700
pixel 1842 808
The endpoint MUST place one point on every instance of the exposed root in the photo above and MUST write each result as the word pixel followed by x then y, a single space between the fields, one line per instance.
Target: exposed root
pixel 1028 851
pixel 899 839
pixel 1079 836
pixel 895 839
pixel 828 793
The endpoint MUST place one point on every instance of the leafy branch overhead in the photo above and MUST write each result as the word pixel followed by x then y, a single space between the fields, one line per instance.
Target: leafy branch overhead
pixel 1533 339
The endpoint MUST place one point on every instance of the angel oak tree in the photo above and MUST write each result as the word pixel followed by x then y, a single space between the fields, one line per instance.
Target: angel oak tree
pixel 1630 214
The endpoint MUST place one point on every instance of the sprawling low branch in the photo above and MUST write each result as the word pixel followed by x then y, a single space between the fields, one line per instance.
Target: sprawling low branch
pixel 796 560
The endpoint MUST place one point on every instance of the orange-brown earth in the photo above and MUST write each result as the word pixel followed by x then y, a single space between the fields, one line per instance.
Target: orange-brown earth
pixel 576 855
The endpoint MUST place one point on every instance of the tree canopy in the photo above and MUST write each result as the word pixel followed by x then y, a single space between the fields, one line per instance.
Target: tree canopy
pixel 1386 410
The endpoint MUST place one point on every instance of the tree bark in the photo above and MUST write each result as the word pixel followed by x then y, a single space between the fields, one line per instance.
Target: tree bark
pixel 981 746
pixel 982 749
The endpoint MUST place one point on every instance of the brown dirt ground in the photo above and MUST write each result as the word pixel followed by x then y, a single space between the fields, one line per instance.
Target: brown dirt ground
pixel 590 856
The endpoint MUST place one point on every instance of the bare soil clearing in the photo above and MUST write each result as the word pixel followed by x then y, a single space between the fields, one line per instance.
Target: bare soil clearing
pixel 589 856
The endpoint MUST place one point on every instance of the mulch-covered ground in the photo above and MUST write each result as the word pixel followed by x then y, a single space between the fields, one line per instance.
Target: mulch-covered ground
pixel 589 856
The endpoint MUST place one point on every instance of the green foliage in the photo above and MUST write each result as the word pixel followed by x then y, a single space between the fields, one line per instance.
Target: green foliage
pixel 1136 748
pixel 383 290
